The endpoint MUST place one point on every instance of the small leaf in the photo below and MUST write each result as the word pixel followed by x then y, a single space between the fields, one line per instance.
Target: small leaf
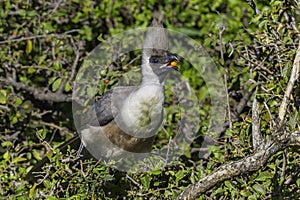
pixel 6 156
pixel 41 59
pixel 263 176
pixel 31 191
pixel 28 47
pixel 18 159
pixel 57 65
pixel 155 172
pixel 7 144
pixel 146 180
pixel 56 84
pixel 68 86
pixel 51 80
pixel 298 182
pixel 179 175
pixel 259 188
pixel 31 70
pixel 36 155
pixel 49 154
pixel 228 185
pixel 18 101
pixel 3 94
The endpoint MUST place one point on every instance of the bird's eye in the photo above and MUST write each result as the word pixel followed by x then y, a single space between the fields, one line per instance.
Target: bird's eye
pixel 154 60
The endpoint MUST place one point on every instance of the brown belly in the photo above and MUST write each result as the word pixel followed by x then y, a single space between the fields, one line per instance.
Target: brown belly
pixel 125 141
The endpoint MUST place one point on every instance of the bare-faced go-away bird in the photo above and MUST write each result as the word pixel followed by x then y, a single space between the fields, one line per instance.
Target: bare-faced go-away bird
pixel 138 113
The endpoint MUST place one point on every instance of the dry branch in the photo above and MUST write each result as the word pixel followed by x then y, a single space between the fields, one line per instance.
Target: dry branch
pixel 250 163
pixel 257 138
pixel 293 78
pixel 38 93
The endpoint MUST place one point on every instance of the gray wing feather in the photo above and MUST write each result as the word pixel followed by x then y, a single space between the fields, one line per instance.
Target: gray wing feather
pixel 101 112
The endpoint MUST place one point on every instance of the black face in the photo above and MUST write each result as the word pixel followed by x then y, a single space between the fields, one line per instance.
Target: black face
pixel 161 63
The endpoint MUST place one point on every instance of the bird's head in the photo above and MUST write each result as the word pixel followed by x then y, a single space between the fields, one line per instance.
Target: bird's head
pixel 157 60
pixel 158 63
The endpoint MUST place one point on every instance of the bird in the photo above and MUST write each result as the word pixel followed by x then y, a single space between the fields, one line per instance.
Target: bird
pixel 124 120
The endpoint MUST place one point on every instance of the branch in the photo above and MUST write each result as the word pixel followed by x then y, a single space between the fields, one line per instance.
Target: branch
pixel 257 138
pixel 66 34
pixel 293 78
pixel 295 138
pixel 234 168
pixel 252 4
pixel 243 102
pixel 39 94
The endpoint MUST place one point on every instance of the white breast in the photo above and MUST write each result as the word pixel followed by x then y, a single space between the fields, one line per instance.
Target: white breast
pixel 141 113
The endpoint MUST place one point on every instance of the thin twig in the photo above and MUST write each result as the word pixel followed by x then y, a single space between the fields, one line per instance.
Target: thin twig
pixel 293 78
pixel 222 29
pixel 253 6
pixel 75 63
pixel 133 181
pixel 66 34
pixel 257 138
pixel 272 123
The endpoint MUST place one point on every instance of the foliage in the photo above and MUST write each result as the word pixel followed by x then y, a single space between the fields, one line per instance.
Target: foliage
pixel 43 45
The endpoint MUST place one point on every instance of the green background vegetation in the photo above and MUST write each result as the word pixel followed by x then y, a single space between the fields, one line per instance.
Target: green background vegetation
pixel 42 45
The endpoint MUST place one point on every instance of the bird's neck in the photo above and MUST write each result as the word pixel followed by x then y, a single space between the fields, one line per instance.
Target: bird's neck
pixel 148 76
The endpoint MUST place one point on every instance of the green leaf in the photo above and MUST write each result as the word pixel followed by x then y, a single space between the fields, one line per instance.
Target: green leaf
pixel 3 95
pixel 6 156
pixel 67 87
pixel 36 155
pixel 28 47
pixel 179 175
pixel 228 185
pixel 31 70
pixel 18 159
pixel 146 180
pixel 57 65
pixel 245 193
pixel 51 80
pixel 259 188
pixel 7 144
pixel 155 172
pixel 263 176
pixel 41 59
pixel 75 197
pixel 31 191
pixel 56 84
pixel 18 101
pixel 298 182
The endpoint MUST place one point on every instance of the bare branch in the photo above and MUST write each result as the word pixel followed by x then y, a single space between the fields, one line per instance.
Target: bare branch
pixel 62 129
pixel 39 94
pixel 295 138
pixel 293 78
pixel 278 141
pixel 243 102
pixel 221 30
pixel 5 108
pixel 257 138
pixel 76 60
pixel 252 4
pixel 66 34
